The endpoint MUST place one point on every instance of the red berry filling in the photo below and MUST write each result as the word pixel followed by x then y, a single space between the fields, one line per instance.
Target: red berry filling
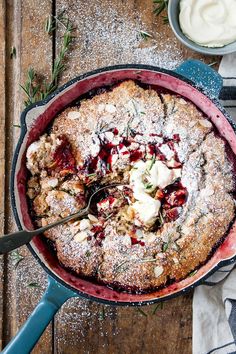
pixel 135 241
pixel 172 197
pixel 64 161
pixel 177 198
pixel 103 162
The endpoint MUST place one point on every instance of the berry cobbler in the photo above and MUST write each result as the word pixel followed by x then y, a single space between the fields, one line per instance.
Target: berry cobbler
pixel 173 201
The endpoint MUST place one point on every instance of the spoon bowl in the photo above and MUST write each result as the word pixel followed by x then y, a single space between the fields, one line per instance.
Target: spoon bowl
pixel 14 240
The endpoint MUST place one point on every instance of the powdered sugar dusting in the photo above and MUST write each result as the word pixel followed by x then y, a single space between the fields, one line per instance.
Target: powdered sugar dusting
pixel 108 34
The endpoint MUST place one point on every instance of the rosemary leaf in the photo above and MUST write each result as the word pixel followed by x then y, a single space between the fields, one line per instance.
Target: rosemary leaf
pixel 192 273
pixel 91 175
pixel 148 186
pixel 87 253
pixel 157 307
pixel 50 25
pixel 108 216
pixel 13 53
pixel 152 161
pixel 213 63
pixel 165 20
pixel 118 267
pixel 31 74
pixel 101 315
pixel 33 285
pixel 16 258
pixel 165 247
pixel 141 312
pixel 145 35
pixel 135 106
pixel 147 260
pixel 16 126
pixel 25 89
pixel 161 218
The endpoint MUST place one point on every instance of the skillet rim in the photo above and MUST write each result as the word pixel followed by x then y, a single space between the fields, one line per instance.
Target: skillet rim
pixel 15 159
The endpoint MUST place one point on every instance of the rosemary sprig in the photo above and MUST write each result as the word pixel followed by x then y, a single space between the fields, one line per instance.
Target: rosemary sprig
pixel 160 6
pixel 30 88
pixel 35 90
pixel 145 35
pixel 58 66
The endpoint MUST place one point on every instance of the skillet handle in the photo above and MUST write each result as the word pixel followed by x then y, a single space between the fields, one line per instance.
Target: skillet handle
pixel 202 75
pixel 25 340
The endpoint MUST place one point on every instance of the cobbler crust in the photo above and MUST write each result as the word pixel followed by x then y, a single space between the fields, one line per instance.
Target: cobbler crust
pixel 178 246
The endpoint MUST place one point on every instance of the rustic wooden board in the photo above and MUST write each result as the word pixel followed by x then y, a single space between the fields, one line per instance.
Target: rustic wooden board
pixel 107 32
pixel 84 327
pixel 25 31
pixel 2 151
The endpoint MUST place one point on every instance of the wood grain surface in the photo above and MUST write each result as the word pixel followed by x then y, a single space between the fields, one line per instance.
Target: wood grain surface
pixel 106 33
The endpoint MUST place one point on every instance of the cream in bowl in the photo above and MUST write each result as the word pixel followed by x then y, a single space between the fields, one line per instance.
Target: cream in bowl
pixel 209 23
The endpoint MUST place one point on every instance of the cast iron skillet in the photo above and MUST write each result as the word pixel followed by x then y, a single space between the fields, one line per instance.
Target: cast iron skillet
pixel 193 80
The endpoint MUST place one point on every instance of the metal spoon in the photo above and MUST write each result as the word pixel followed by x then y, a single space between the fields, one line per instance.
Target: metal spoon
pixel 12 241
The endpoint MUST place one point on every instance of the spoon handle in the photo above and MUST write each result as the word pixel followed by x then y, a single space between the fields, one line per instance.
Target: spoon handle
pixel 14 240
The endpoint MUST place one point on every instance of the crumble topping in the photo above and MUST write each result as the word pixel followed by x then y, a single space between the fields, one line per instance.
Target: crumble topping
pixel 174 201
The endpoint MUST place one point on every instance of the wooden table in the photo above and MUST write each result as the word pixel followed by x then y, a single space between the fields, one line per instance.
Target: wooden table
pixel 106 33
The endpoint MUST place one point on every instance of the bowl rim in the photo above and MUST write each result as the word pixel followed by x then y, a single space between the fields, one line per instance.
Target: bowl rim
pixel 24 130
pixel 188 42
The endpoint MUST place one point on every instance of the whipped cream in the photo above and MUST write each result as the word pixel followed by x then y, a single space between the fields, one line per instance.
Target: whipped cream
pixel 210 23
pixel 145 177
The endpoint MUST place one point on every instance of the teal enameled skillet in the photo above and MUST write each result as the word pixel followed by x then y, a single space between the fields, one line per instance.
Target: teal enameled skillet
pixel 193 80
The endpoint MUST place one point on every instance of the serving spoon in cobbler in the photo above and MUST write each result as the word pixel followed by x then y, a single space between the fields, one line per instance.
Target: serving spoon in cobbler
pixel 14 240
